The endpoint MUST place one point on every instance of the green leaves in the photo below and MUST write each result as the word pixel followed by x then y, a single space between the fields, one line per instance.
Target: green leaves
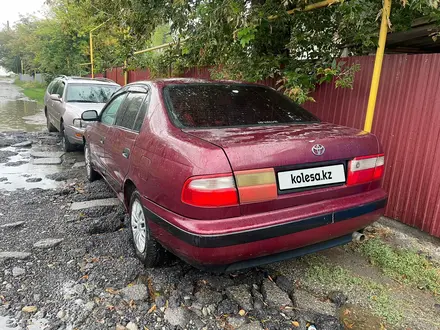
pixel 246 35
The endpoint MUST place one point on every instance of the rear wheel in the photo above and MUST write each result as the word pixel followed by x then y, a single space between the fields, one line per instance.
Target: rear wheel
pixel 92 175
pixel 50 127
pixel 148 250
pixel 67 146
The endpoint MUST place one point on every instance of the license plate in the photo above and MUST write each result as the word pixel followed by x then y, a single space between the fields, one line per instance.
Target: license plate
pixel 311 177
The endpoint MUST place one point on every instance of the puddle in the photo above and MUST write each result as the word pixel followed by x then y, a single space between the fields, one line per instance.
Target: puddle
pixel 3 324
pixel 17 112
pixel 17 175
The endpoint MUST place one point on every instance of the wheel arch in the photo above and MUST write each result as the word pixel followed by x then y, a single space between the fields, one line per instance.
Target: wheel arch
pixel 129 189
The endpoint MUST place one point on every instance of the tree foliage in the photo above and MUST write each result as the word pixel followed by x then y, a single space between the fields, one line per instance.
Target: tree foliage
pixel 240 39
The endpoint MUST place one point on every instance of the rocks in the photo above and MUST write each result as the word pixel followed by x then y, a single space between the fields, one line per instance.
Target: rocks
pixel 131 326
pixel 17 271
pixel 241 295
pixel 105 224
pixel 12 225
pixel 338 298
pixel 48 243
pixel 274 296
pixel 29 309
pixel 3 179
pixel 6 154
pixel 236 321
pixel 227 306
pixel 79 164
pixel 160 301
pixel 138 292
pixel 251 326
pixel 48 154
pixel 14 255
pixel 177 316
pixel 17 163
pixel 285 284
pixel 306 301
pixel 34 180
pixel 23 144
pixel 61 314
pixel 47 161
pixel 94 203
pixel 208 297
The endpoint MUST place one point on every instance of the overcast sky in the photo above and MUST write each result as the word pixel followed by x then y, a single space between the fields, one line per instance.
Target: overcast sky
pixel 10 9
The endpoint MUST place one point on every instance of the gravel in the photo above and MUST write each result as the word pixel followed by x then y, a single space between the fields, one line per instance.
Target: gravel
pixel 70 268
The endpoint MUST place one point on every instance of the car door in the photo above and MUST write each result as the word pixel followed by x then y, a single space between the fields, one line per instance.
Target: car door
pixel 50 103
pixel 124 135
pixel 98 136
pixel 58 106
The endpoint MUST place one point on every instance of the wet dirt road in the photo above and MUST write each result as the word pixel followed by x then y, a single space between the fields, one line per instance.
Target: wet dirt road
pixel 18 112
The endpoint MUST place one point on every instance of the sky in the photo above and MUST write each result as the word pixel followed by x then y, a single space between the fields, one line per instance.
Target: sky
pixel 10 9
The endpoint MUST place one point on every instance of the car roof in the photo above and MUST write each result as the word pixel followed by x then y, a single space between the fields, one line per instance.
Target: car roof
pixel 174 81
pixel 87 80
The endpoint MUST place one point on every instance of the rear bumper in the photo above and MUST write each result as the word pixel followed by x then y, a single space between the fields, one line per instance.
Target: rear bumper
pixel 266 237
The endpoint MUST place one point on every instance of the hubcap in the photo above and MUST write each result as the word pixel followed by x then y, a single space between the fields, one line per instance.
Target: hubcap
pixel 138 226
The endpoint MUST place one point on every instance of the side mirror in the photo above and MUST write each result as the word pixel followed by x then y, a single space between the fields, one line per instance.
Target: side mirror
pixel 55 97
pixel 90 115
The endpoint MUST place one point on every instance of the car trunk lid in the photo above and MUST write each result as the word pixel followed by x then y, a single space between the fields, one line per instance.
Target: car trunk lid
pixel 288 148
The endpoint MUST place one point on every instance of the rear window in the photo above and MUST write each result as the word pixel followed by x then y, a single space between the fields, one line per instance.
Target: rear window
pixel 220 105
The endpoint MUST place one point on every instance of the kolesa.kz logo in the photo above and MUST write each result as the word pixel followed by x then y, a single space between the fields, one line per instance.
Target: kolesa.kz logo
pixel 311 177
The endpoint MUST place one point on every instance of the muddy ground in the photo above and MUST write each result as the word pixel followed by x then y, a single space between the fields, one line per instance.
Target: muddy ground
pixel 75 269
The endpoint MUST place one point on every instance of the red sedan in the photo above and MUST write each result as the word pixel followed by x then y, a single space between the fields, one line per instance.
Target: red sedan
pixel 229 175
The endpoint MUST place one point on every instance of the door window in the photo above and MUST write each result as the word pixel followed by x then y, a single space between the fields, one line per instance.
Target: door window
pixel 141 115
pixel 60 89
pixel 127 117
pixel 109 114
pixel 55 87
pixel 50 88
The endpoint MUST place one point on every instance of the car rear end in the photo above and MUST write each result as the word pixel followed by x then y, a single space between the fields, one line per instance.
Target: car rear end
pixel 299 185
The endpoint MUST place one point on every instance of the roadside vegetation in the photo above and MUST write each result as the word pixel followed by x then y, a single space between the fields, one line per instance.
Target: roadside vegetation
pixel 403 265
pixel 245 40
pixel 33 90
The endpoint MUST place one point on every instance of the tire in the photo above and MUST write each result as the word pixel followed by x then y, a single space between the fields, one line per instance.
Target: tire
pixel 50 127
pixel 92 175
pixel 148 250
pixel 67 146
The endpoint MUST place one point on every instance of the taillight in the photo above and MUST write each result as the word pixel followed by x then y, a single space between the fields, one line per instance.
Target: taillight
pixel 256 185
pixel 210 191
pixel 365 169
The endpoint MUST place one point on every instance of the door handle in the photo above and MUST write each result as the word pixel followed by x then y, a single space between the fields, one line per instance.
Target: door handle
pixel 126 153
pixel 102 140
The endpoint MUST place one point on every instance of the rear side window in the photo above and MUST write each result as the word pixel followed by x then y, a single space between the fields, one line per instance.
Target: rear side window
pixel 220 105
pixel 133 105
pixel 60 89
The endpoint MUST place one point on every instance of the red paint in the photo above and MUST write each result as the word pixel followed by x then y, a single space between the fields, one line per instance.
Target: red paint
pixel 163 157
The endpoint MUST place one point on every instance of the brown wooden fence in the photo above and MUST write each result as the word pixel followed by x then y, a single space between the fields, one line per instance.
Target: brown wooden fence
pixel 407 122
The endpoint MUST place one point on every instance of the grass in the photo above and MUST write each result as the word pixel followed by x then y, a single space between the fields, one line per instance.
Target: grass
pixel 32 90
pixel 403 265
pixel 335 276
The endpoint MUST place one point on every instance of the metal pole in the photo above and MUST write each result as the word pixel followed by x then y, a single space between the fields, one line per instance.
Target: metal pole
pixel 377 65
pixel 125 73
pixel 91 55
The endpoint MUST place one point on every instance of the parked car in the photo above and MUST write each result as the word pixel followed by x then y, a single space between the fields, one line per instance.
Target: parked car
pixel 229 175
pixel 65 100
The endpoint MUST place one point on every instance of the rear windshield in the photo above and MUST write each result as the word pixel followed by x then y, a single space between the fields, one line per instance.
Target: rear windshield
pixel 88 93
pixel 220 105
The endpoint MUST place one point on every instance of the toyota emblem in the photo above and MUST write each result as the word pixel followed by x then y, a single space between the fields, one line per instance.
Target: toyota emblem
pixel 318 149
